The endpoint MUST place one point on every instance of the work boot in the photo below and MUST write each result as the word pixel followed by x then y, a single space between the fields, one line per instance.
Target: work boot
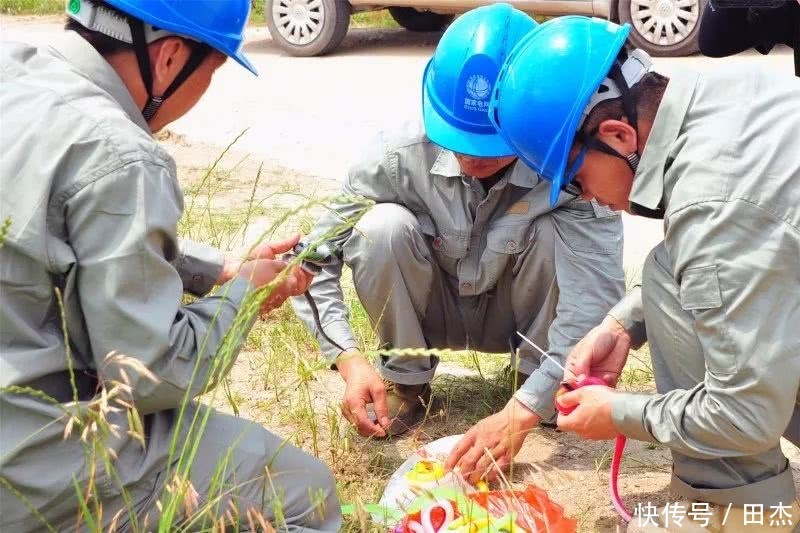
pixel 695 517
pixel 407 405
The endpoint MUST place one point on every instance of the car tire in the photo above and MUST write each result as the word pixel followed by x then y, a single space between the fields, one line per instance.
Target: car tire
pixel 415 20
pixel 673 29
pixel 307 27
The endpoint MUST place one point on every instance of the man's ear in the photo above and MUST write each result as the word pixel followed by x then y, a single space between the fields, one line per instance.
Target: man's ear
pixel 167 58
pixel 618 134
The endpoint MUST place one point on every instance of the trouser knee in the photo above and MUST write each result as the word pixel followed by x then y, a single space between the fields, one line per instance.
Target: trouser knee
pixel 385 234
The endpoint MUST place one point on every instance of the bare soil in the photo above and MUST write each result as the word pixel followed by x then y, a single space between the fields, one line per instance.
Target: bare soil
pixel 573 471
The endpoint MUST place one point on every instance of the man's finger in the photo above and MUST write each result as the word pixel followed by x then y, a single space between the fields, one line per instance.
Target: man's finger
pixel 459 450
pixel 494 472
pixel 570 399
pixel 378 392
pixel 468 464
pixel 484 465
pixel 610 378
pixel 304 279
pixel 269 250
pixel 566 423
pixel 490 470
pixel 365 426
pixel 579 360
pixel 346 412
pixel 603 345
pixel 289 287
pixel 284 245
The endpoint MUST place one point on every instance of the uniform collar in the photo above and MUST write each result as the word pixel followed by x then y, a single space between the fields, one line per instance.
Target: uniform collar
pixel 446 165
pixel 519 174
pixel 81 55
pixel 648 183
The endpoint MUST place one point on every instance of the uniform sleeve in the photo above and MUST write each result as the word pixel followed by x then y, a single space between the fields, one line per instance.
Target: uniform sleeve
pixel 588 255
pixel 199 266
pixel 737 268
pixel 371 180
pixel 630 315
pixel 122 228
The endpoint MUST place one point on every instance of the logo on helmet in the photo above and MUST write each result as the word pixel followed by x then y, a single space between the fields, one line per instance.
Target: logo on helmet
pixel 479 86
pixel 479 89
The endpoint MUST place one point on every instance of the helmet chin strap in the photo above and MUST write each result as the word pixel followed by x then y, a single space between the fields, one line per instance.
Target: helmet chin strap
pixel 199 52
pixel 633 161
pixel 621 77
pixel 590 141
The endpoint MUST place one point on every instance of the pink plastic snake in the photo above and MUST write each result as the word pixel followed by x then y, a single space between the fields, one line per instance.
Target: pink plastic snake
pixel 619 448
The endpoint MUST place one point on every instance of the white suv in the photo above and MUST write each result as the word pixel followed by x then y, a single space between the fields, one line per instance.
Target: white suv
pixel 316 27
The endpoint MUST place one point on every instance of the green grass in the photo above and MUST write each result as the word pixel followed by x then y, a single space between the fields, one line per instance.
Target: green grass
pixel 638 372
pixel 31 7
pixel 5 228
pixel 363 19
pixel 373 19
pixel 257 12
pixel 288 387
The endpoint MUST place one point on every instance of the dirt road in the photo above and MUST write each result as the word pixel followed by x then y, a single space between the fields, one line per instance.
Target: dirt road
pixel 314 115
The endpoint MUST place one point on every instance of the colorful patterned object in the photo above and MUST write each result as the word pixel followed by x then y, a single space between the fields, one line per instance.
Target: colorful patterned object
pixel 425 471
pixel 503 511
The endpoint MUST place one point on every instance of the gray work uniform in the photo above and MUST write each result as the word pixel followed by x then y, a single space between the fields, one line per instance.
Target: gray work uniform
pixel 720 297
pixel 441 262
pixel 94 203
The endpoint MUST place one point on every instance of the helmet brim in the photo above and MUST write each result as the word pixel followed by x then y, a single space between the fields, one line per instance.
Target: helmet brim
pixel 240 58
pixel 440 132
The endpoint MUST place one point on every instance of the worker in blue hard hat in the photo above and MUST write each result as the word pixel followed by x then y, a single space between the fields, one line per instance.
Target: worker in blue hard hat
pixel 461 250
pixel 715 156
pixel 100 357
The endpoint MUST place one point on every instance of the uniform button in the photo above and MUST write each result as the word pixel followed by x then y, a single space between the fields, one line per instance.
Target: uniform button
pixel 437 242
pixel 511 246
pixel 466 286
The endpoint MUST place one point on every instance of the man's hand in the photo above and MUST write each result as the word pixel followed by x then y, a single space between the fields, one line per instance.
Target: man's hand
pixel 501 433
pixel 601 353
pixel 592 418
pixel 267 250
pixel 261 272
pixel 364 386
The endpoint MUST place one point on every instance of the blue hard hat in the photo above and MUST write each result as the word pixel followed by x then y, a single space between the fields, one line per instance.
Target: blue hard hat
pixel 545 85
pixel 459 78
pixel 218 23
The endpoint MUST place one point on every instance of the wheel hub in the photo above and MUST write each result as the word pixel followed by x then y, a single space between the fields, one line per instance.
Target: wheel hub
pixel 665 9
pixel 665 22
pixel 299 12
pixel 298 21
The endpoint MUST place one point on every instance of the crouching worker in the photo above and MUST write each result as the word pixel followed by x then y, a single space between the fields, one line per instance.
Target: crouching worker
pixel 461 250
pixel 93 203
pixel 715 156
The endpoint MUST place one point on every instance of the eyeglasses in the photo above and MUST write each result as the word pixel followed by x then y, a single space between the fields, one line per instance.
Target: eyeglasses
pixel 570 186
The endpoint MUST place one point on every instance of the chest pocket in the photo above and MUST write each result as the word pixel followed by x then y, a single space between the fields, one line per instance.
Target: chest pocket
pixel 448 243
pixel 511 239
